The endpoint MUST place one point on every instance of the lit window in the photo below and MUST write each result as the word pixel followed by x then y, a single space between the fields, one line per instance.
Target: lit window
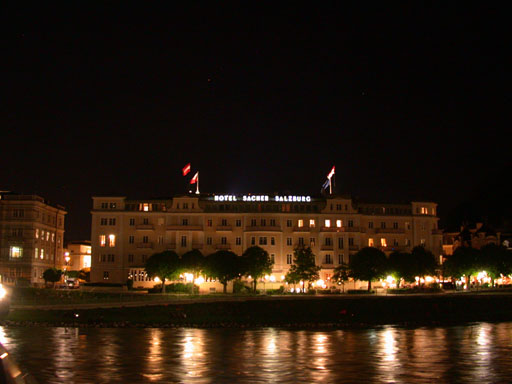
pixel 327 223
pixel 424 210
pixel 312 223
pixel 103 240
pixel 16 252
pixel 300 223
pixel 383 242
pixel 422 241
pixel 87 261
pixel 111 240
pixel 47 236
pixel 339 223
pixel 37 233
pixel 370 242
pixel 42 254
pixel 36 252
pixel 288 259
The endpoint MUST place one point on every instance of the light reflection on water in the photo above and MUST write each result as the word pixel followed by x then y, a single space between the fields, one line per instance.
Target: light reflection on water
pixel 471 353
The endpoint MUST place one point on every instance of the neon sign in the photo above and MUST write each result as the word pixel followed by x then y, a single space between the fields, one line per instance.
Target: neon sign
pixel 264 198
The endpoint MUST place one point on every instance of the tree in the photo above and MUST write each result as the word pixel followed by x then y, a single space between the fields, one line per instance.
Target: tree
pixel 341 274
pixel 193 262
pixel 52 275
pixel 164 265
pixel 496 260
pixel 368 264
pixel 224 266
pixel 424 261
pixel 463 262
pixel 402 266
pixel 304 267
pixel 257 263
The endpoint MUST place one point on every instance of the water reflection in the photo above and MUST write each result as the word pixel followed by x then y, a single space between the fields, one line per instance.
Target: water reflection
pixel 472 353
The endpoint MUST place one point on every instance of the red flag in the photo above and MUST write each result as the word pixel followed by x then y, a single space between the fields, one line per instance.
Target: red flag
pixel 194 179
pixel 186 169
pixel 331 173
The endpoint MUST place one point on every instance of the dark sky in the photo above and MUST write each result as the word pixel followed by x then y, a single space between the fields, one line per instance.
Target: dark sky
pixel 409 102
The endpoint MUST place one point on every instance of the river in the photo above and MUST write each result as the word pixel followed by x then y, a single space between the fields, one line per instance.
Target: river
pixel 479 353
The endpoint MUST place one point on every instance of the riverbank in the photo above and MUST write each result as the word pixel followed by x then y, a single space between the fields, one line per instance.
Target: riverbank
pixel 303 311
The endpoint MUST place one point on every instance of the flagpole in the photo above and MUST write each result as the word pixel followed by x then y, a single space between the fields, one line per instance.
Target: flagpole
pixel 330 187
pixel 197 184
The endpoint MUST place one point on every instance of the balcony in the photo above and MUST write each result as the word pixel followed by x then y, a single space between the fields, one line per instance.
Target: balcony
pixel 223 246
pixel 331 229
pixel 301 229
pixel 264 228
pixel 326 247
pixel 145 227
pixel 389 230
pixel 224 228
pixel 326 265
pixel 179 227
pixel 144 245
pixel 354 229
pixel 393 248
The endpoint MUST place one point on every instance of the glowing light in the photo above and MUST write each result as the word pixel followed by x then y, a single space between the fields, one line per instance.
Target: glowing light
pixel 320 283
pixel 3 292
pixel 156 279
pixel 189 277
pixel 429 279
pixel 3 355
pixel 272 278
pixel 267 277
pixel 199 280
pixel 282 277
pixel 338 223
pixel 390 279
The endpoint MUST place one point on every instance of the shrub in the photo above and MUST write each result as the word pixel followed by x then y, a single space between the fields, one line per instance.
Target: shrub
pixel 360 292
pixel 240 287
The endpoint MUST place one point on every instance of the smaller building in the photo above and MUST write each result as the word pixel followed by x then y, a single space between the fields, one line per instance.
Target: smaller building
pixel 470 236
pixel 77 256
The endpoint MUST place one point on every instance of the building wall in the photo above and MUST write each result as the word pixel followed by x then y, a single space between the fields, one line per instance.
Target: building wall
pixel 140 228
pixel 31 237
pixel 79 254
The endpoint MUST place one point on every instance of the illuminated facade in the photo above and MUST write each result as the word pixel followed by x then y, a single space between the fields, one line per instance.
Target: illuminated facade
pixel 31 237
pixel 77 256
pixel 126 232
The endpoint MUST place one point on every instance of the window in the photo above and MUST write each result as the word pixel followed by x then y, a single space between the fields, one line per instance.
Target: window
pixel 327 223
pixel 340 242
pixel 112 205
pixel 288 241
pixel 300 223
pixel 288 223
pixel 131 239
pixel 130 258
pixel 273 257
pixel 272 241
pixel 42 254
pixel 185 205
pixel 145 239
pixel 112 221
pixel 223 240
pixel 370 242
pixel 350 241
pixel 382 224
pixel 328 241
pixel 111 240
pixel 383 242
pixel 350 223
pixel 301 241
pixel 338 207
pixel 407 225
pixel 395 225
pixel 312 223
pixel 424 210
pixel 209 222
pixel 253 240
pixel 160 239
pixel 47 236
pixel 370 224
pixel 132 222
pixel 15 252
pixel 339 223
pixel 328 259
pixel 209 241
pixel 103 240
pixel 253 222
pixel 422 242
pixel 110 258
pixel 104 205
pixel 238 241
pixel 183 241
pixel 407 242
pixel 105 275
pixel 340 258
pixel 272 222
pixel 146 207
pixel 103 221
pixel 289 259
pixel 263 241
pixel 184 222
pixel 37 233
pixel 224 222
pixel 238 222
pixel 145 221
pixel 395 242
pixel 263 222
pixel 311 241
pixel 36 252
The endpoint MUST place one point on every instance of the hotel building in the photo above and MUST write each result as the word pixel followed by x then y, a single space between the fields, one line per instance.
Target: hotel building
pixel 126 232
pixel 31 237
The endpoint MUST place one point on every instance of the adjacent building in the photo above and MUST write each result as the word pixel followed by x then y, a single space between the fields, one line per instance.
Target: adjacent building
pixel 125 232
pixel 31 237
pixel 77 256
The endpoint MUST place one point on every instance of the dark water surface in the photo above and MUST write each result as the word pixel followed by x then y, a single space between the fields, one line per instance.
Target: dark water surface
pixel 475 353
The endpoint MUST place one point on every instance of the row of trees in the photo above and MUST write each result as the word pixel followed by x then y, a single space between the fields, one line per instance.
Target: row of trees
pixel 222 265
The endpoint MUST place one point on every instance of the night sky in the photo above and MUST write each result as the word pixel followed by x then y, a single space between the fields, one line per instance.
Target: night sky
pixel 409 102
